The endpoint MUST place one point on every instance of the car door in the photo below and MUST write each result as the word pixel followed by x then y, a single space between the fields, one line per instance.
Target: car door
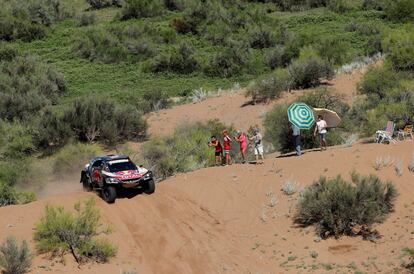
pixel 96 170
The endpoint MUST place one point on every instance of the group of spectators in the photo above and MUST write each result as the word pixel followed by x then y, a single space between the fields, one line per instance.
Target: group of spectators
pixel 243 140
pixel 222 152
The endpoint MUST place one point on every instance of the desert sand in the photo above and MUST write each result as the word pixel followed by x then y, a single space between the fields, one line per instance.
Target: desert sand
pixel 236 219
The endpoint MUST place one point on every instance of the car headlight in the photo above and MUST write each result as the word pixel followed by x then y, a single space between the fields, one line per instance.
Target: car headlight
pixel 148 175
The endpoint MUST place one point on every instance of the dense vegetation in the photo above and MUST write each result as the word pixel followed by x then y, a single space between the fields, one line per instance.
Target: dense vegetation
pixel 339 208
pixel 87 70
pixel 15 258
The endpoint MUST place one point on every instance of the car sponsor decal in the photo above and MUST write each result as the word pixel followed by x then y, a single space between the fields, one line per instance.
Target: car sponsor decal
pixel 125 175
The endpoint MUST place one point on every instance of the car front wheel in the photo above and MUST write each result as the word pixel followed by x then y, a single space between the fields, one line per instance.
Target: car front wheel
pixel 150 187
pixel 109 194
pixel 86 183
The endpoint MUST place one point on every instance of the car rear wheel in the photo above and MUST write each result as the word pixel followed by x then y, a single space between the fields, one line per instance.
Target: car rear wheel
pixel 109 194
pixel 86 183
pixel 150 187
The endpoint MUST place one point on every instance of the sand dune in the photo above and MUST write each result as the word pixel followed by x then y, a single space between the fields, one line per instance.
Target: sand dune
pixel 222 220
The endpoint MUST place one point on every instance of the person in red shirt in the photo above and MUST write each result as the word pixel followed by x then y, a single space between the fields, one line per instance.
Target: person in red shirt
pixel 227 146
pixel 218 149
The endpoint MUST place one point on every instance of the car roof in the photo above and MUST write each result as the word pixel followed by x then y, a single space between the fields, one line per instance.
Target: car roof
pixel 108 158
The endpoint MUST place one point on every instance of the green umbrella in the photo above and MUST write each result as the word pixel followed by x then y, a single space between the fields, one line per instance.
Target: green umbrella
pixel 301 115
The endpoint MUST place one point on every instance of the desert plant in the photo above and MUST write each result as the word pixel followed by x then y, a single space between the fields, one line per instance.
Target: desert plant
pixel 71 158
pixel 185 150
pixel 229 61
pixel 60 231
pixel 410 253
pixel 269 87
pixel 98 4
pixel 27 87
pixel 377 81
pixel 398 46
pixel 15 258
pixel 199 95
pixel 382 162
pixel 141 8
pixel 290 187
pixel 96 44
pixel 398 167
pixel 340 208
pixel 86 19
pixel 309 71
pixel 411 165
pixel 9 195
pixel 103 119
pixel 399 10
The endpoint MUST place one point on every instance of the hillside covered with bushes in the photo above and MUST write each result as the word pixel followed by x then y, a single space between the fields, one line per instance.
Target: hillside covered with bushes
pixel 88 70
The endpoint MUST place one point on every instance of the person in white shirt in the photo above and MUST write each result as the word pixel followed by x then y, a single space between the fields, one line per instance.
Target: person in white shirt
pixel 321 130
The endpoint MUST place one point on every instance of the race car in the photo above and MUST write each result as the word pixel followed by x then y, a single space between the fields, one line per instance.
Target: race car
pixel 113 173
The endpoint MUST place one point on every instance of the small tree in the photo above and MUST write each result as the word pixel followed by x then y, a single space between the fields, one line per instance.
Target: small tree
pixel 15 259
pixel 60 231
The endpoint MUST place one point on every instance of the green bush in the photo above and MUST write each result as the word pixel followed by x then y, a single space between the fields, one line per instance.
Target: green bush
pixel 184 151
pixel 15 258
pixel 261 37
pixel 99 4
pixel 97 44
pixel 308 72
pixel 16 140
pixel 410 253
pixel 338 208
pixel 96 118
pixel 399 48
pixel 276 57
pixel 333 51
pixel 399 10
pixel 153 100
pixel 27 87
pixel 86 19
pixel 378 81
pixel 228 62
pixel 28 20
pixel 60 232
pixel 141 8
pixel 7 52
pixel 55 132
pixel 72 158
pixel 181 60
pixel 269 87
pixel 9 195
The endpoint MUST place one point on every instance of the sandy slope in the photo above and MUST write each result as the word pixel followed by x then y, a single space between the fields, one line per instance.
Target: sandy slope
pixel 229 107
pixel 219 220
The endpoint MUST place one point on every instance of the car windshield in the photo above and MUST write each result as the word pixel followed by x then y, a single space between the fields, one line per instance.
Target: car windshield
pixel 121 165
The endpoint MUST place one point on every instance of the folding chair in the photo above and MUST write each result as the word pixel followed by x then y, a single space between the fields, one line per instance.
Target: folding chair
pixel 407 131
pixel 382 136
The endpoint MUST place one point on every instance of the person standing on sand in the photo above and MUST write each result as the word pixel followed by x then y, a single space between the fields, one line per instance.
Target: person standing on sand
pixel 258 146
pixel 321 129
pixel 242 139
pixel 218 149
pixel 227 146
pixel 296 139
